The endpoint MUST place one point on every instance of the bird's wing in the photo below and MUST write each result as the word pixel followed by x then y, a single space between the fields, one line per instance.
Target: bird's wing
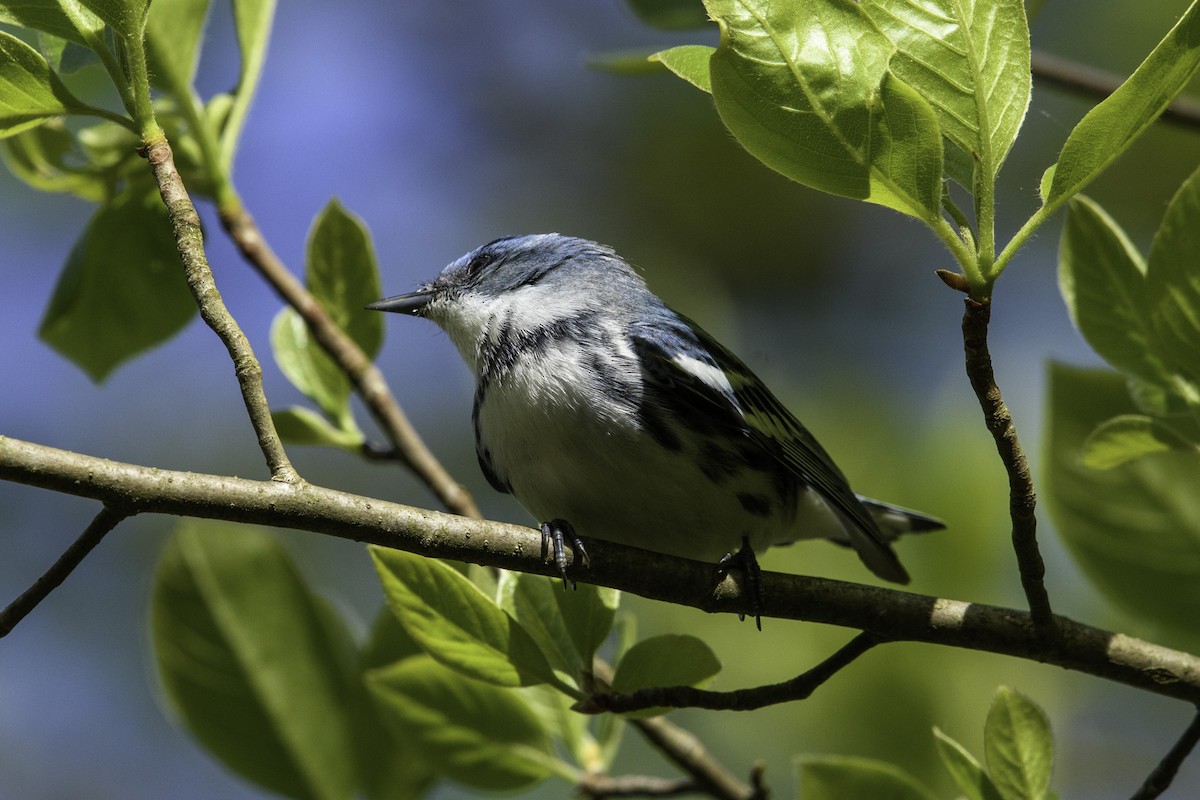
pixel 711 386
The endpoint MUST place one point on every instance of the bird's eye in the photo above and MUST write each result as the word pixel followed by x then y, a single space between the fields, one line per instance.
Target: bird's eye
pixel 477 264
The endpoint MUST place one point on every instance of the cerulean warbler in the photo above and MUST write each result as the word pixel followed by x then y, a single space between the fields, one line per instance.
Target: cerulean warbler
pixel 608 415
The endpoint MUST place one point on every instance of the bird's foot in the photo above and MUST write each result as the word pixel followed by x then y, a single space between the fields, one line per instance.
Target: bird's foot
pixel 745 561
pixel 555 534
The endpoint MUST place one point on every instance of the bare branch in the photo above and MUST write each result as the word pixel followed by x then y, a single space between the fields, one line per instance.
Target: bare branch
pixel 1158 780
pixel 366 378
pixel 102 523
pixel 889 614
pixel 686 751
pixel 189 239
pixel 1099 84
pixel 1022 499
pixel 798 688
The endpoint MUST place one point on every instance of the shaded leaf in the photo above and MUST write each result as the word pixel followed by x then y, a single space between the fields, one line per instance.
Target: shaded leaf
pixel 1173 285
pixel 49 16
pixel 806 89
pixel 569 626
pixel 1134 529
pixel 661 661
pixel 343 274
pixel 474 733
pixel 690 62
pixel 841 777
pixel 967 772
pixel 670 14
pixel 1018 746
pixel 1111 127
pixel 1102 278
pixel 253 664
pixel 1128 437
pixel 970 61
pixel 45 156
pixel 456 623
pixel 123 289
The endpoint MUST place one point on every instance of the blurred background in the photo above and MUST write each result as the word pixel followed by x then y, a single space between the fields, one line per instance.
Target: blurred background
pixel 444 129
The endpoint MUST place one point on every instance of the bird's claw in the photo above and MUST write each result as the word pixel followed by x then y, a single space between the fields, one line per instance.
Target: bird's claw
pixel 745 561
pixel 555 534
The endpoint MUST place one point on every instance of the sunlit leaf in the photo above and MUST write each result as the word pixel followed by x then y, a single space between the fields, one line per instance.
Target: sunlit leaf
pixel 1018 746
pixel 251 662
pixel 474 733
pixel 967 772
pixel 303 426
pixel 30 93
pixel 690 62
pixel 45 157
pixel 1131 436
pixel 123 288
pixel 970 61
pixel 49 16
pixel 308 367
pixel 456 623
pixel 343 274
pixel 174 30
pixel 1111 127
pixel 806 89
pixel 1173 283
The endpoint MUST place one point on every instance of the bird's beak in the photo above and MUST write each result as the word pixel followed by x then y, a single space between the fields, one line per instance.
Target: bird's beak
pixel 412 303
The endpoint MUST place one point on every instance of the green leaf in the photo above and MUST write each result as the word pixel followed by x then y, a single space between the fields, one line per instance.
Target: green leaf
pixel 474 733
pixel 967 772
pixel 661 661
pixel 123 289
pixel 841 777
pixel 309 368
pixel 1102 278
pixel 252 20
pixel 1130 436
pixel 690 62
pixel 48 16
pixel 45 156
pixel 568 626
pixel 251 662
pixel 1134 529
pixel 1018 746
pixel 127 18
pixel 303 426
pixel 343 274
pixel 1111 127
pixel 174 30
pixel 30 92
pixel 456 623
pixel 970 61
pixel 806 90
pixel 670 14
pixel 1173 283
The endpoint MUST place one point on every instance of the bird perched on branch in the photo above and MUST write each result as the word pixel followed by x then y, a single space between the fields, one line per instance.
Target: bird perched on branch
pixel 610 416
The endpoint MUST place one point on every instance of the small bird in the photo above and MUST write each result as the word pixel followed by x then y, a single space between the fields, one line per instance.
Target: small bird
pixel 610 416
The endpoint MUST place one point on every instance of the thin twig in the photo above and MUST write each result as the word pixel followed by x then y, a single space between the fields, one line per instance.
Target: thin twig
pixel 189 239
pixel 366 378
pixel 1022 499
pixel 798 688
pixel 1158 780
pixel 1097 83
pixel 686 751
pixel 891 614
pixel 602 787
pixel 108 518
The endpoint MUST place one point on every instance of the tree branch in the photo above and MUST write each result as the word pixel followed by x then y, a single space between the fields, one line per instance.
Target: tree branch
pixel 1099 84
pixel 602 787
pixel 1158 780
pixel 364 376
pixel 686 751
pixel 888 614
pixel 108 518
pixel 1022 499
pixel 189 239
pixel 798 688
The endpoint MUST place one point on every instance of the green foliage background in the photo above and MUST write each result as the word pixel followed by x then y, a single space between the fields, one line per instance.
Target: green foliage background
pixel 442 134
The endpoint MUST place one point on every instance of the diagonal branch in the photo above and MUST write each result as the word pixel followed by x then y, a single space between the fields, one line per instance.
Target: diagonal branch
pixel 1158 780
pixel 890 614
pixel 1022 499
pixel 108 518
pixel 685 750
pixel 602 787
pixel 366 378
pixel 798 688
pixel 189 238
